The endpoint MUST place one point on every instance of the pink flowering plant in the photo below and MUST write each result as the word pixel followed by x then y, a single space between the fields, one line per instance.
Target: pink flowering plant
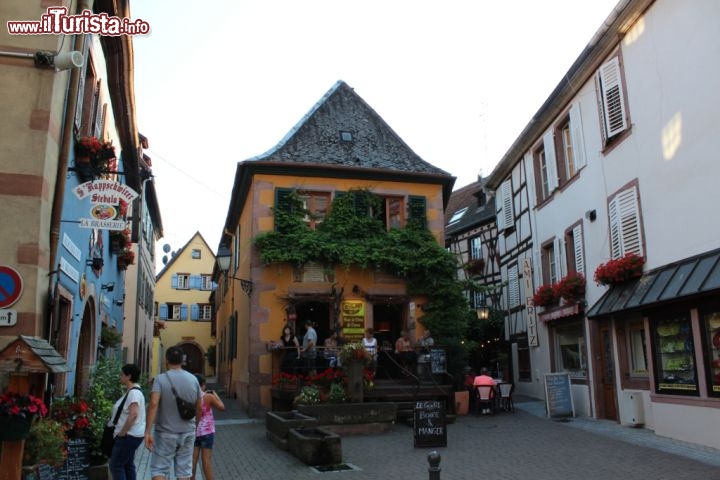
pixel 14 405
pixel 619 270
pixel 571 287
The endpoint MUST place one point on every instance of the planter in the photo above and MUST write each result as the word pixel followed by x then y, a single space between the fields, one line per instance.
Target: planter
pixel 355 382
pixel 13 429
pixel 98 472
pixel 278 424
pixel 315 446
pixel 351 413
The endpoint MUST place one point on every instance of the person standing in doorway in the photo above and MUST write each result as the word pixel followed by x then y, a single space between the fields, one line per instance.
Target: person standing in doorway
pixel 205 432
pixel 173 440
pixel 291 350
pixel 308 348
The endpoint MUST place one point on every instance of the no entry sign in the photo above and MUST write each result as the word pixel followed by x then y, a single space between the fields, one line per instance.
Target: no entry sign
pixel 10 286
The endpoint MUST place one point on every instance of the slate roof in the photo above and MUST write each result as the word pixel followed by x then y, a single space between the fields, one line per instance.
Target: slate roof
pixel 316 138
pixel 698 275
pixel 475 215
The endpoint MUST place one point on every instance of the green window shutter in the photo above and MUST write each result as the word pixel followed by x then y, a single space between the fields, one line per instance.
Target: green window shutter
pixel 417 211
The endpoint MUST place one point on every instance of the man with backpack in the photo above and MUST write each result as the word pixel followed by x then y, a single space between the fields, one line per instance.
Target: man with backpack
pixel 173 395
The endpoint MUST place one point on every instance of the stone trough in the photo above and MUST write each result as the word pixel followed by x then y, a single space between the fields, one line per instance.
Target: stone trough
pixel 315 446
pixel 278 424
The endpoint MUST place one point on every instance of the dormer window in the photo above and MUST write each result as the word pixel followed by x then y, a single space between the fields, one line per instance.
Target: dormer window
pixel 457 215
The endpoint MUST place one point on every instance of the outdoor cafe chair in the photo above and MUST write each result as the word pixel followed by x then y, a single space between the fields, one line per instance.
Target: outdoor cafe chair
pixel 485 398
pixel 506 400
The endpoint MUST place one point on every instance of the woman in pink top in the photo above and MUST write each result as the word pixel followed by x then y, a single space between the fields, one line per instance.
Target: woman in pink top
pixel 205 430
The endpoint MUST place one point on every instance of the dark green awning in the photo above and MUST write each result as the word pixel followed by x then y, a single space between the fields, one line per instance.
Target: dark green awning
pixel 692 276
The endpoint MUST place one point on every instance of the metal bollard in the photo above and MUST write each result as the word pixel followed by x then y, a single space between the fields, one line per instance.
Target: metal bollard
pixel 434 469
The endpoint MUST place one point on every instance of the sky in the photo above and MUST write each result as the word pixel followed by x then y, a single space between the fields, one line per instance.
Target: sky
pixel 220 82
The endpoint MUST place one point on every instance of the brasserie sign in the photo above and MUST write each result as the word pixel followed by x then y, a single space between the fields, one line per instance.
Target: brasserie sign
pixel 104 196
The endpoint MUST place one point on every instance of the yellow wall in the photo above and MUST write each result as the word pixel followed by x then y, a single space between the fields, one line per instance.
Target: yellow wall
pixel 187 331
pixel 261 318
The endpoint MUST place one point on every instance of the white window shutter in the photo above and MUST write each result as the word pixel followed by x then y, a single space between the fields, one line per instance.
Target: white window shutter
pixel 513 286
pixel 578 250
pixel 499 216
pixel 550 161
pixel 625 234
pixel 577 136
pixel 559 264
pixel 507 198
pixel 629 222
pixel 612 97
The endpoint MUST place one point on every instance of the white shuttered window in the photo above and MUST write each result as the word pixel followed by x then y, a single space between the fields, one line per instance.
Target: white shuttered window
pixel 625 230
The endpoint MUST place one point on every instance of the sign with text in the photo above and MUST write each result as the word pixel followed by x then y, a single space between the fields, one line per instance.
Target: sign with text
pixel 558 396
pixel 105 196
pixel 8 318
pixel 429 427
pixel 352 318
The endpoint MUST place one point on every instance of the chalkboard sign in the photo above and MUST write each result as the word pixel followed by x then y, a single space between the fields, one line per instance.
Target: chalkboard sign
pixel 77 462
pixel 429 424
pixel 558 397
pixel 437 360
pixel 45 472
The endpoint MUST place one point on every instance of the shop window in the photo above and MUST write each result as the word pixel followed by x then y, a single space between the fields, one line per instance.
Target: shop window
pixel 711 326
pixel 674 354
pixel 570 350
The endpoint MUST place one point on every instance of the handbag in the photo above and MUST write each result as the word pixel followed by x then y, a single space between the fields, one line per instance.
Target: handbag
pixel 186 409
pixel 108 436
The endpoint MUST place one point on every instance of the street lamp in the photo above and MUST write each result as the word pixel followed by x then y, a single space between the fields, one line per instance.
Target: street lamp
pixel 223 259
pixel 483 312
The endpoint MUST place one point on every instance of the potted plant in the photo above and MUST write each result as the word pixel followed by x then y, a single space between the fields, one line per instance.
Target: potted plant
pixel 287 381
pixel 16 414
pixel 545 296
pixel 126 257
pixel 475 266
pixel 354 353
pixel 619 270
pixel 119 239
pixel 309 395
pixel 94 158
pixel 73 414
pixel 571 287
pixel 45 445
pixel 110 337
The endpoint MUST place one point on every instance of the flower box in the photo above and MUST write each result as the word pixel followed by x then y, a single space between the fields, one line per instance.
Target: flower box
pixel 475 266
pixel 545 296
pixel 571 288
pixel 619 270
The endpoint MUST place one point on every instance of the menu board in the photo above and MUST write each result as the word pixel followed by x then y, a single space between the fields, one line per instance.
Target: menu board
pixel 77 462
pixel 437 360
pixel 558 397
pixel 429 427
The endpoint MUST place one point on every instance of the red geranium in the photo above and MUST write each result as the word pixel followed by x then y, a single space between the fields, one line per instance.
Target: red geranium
pixel 24 406
pixel 619 270
pixel 545 296
pixel 73 414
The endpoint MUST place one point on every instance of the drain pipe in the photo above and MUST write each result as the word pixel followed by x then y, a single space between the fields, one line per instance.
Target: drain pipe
pixel 65 143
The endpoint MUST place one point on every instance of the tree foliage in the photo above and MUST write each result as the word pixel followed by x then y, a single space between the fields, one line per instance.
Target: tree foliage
pixel 351 236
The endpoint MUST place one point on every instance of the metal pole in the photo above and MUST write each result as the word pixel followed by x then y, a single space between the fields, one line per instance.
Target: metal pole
pixel 434 468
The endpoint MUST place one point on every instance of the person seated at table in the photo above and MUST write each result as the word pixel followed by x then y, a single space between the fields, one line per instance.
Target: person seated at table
pixel 331 349
pixel 485 379
pixel 405 352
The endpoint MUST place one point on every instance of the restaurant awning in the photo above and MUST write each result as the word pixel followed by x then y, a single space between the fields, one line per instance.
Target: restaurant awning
pixel 688 277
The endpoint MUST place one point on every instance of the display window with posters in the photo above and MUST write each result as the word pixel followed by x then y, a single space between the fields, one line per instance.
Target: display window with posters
pixel 710 325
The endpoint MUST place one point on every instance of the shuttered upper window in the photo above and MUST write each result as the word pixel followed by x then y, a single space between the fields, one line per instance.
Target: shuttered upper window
pixel 504 207
pixel 625 228
pixel 612 99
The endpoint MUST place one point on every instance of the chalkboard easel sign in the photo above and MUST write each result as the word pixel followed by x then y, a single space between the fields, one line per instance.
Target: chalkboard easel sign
pixel 558 396
pixel 437 361
pixel 429 429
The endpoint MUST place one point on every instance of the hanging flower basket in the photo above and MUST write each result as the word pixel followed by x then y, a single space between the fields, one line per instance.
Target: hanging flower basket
pixel 619 270
pixel 93 158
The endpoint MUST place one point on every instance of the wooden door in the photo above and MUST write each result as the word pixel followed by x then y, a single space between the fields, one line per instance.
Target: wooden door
pixel 608 395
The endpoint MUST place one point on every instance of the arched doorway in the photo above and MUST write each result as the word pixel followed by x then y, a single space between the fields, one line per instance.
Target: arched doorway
pixel 194 358
pixel 86 345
